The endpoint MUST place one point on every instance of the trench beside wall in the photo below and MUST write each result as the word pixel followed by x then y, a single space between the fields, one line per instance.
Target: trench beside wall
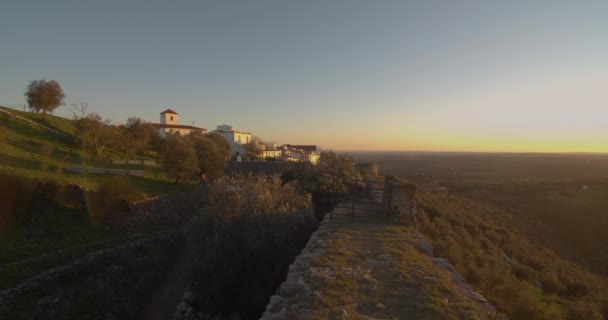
pixel 109 284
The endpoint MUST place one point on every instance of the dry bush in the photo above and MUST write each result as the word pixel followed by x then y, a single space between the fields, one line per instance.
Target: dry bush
pixel 262 195
pixel 112 199
pixel 245 239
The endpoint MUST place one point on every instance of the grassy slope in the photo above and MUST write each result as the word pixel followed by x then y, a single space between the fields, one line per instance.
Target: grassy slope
pixel 22 145
pixel 521 278
pixel 53 227
pixel 560 215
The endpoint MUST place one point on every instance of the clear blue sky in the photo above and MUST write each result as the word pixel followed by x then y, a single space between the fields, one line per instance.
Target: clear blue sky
pixel 388 75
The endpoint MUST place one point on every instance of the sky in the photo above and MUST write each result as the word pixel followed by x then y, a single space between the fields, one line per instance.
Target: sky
pixel 509 76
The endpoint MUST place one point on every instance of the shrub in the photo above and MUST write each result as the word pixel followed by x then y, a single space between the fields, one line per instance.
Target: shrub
pixel 52 189
pixel 111 200
pixel 568 291
pixel 584 310
pixel 550 283
pixel 245 239
pixel 522 271
pixel 15 198
pixel 255 195
pixel 576 289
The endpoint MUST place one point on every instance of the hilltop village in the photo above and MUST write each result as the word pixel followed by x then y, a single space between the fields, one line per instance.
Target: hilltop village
pixel 241 142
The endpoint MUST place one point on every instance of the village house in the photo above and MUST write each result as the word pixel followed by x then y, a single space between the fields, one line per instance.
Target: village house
pixel 236 138
pixel 169 123
pixel 300 153
pixel 270 152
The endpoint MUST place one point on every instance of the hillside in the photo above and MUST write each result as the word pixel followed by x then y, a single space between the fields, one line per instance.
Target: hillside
pixel 521 278
pixel 34 152
pixel 45 220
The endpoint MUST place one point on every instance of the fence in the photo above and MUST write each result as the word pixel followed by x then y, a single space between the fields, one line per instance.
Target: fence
pixel 357 198
pixel 137 173
pixel 136 161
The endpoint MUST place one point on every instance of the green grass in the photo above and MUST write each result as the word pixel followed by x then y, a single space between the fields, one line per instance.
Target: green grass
pixel 23 146
pixel 391 278
pixel 56 231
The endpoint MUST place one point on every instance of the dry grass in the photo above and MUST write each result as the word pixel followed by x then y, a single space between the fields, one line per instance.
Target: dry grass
pixel 371 269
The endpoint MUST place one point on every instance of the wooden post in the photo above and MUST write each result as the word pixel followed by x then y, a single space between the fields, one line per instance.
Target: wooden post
pixel 389 186
pixel 354 192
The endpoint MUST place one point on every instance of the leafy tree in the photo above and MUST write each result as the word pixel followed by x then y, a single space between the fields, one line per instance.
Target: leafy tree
pixel 333 173
pixel 43 95
pixel 255 146
pixel 211 154
pixel 179 158
pixel 139 136
pixel 222 144
pixel 97 134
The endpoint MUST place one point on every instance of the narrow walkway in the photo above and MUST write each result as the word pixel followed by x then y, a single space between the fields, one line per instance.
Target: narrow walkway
pixel 372 269
pixel 33 122
pixel 164 302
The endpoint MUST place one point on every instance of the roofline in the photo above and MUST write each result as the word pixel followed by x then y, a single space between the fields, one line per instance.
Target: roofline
pixel 169 111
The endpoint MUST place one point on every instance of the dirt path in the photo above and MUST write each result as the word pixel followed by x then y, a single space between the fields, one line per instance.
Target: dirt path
pixel 164 302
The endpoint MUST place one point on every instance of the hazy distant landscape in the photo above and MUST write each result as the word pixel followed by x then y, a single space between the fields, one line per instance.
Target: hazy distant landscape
pixel 178 160
pixel 558 200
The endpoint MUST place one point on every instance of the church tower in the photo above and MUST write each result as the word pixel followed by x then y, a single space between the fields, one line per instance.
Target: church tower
pixel 169 117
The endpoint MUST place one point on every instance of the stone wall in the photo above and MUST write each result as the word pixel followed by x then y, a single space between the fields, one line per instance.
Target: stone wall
pixel 162 212
pixel 401 194
pixel 256 168
pixel 276 308
pixel 122 172
pixel 135 161
pixel 298 298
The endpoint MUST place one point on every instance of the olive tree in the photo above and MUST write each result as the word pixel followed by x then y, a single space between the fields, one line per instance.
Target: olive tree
pixel 179 158
pixel 212 154
pixel 97 134
pixel 43 95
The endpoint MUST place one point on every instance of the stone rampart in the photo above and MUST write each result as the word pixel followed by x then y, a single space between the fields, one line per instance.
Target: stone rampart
pixel 162 212
pixel 256 168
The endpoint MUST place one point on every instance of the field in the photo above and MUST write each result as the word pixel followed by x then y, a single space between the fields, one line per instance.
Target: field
pixel 557 200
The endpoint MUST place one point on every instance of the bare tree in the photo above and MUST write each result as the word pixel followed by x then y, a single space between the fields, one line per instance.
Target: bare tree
pixel 79 109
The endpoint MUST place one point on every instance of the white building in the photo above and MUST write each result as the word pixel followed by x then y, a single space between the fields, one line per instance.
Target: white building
pixel 236 138
pixel 300 153
pixel 169 123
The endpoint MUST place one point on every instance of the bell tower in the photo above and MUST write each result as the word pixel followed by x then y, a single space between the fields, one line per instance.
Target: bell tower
pixel 169 117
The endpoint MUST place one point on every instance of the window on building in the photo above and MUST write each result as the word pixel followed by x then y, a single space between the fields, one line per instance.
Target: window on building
pixel 171 118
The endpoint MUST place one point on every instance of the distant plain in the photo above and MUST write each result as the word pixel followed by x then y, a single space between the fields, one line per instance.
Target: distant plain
pixel 559 201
